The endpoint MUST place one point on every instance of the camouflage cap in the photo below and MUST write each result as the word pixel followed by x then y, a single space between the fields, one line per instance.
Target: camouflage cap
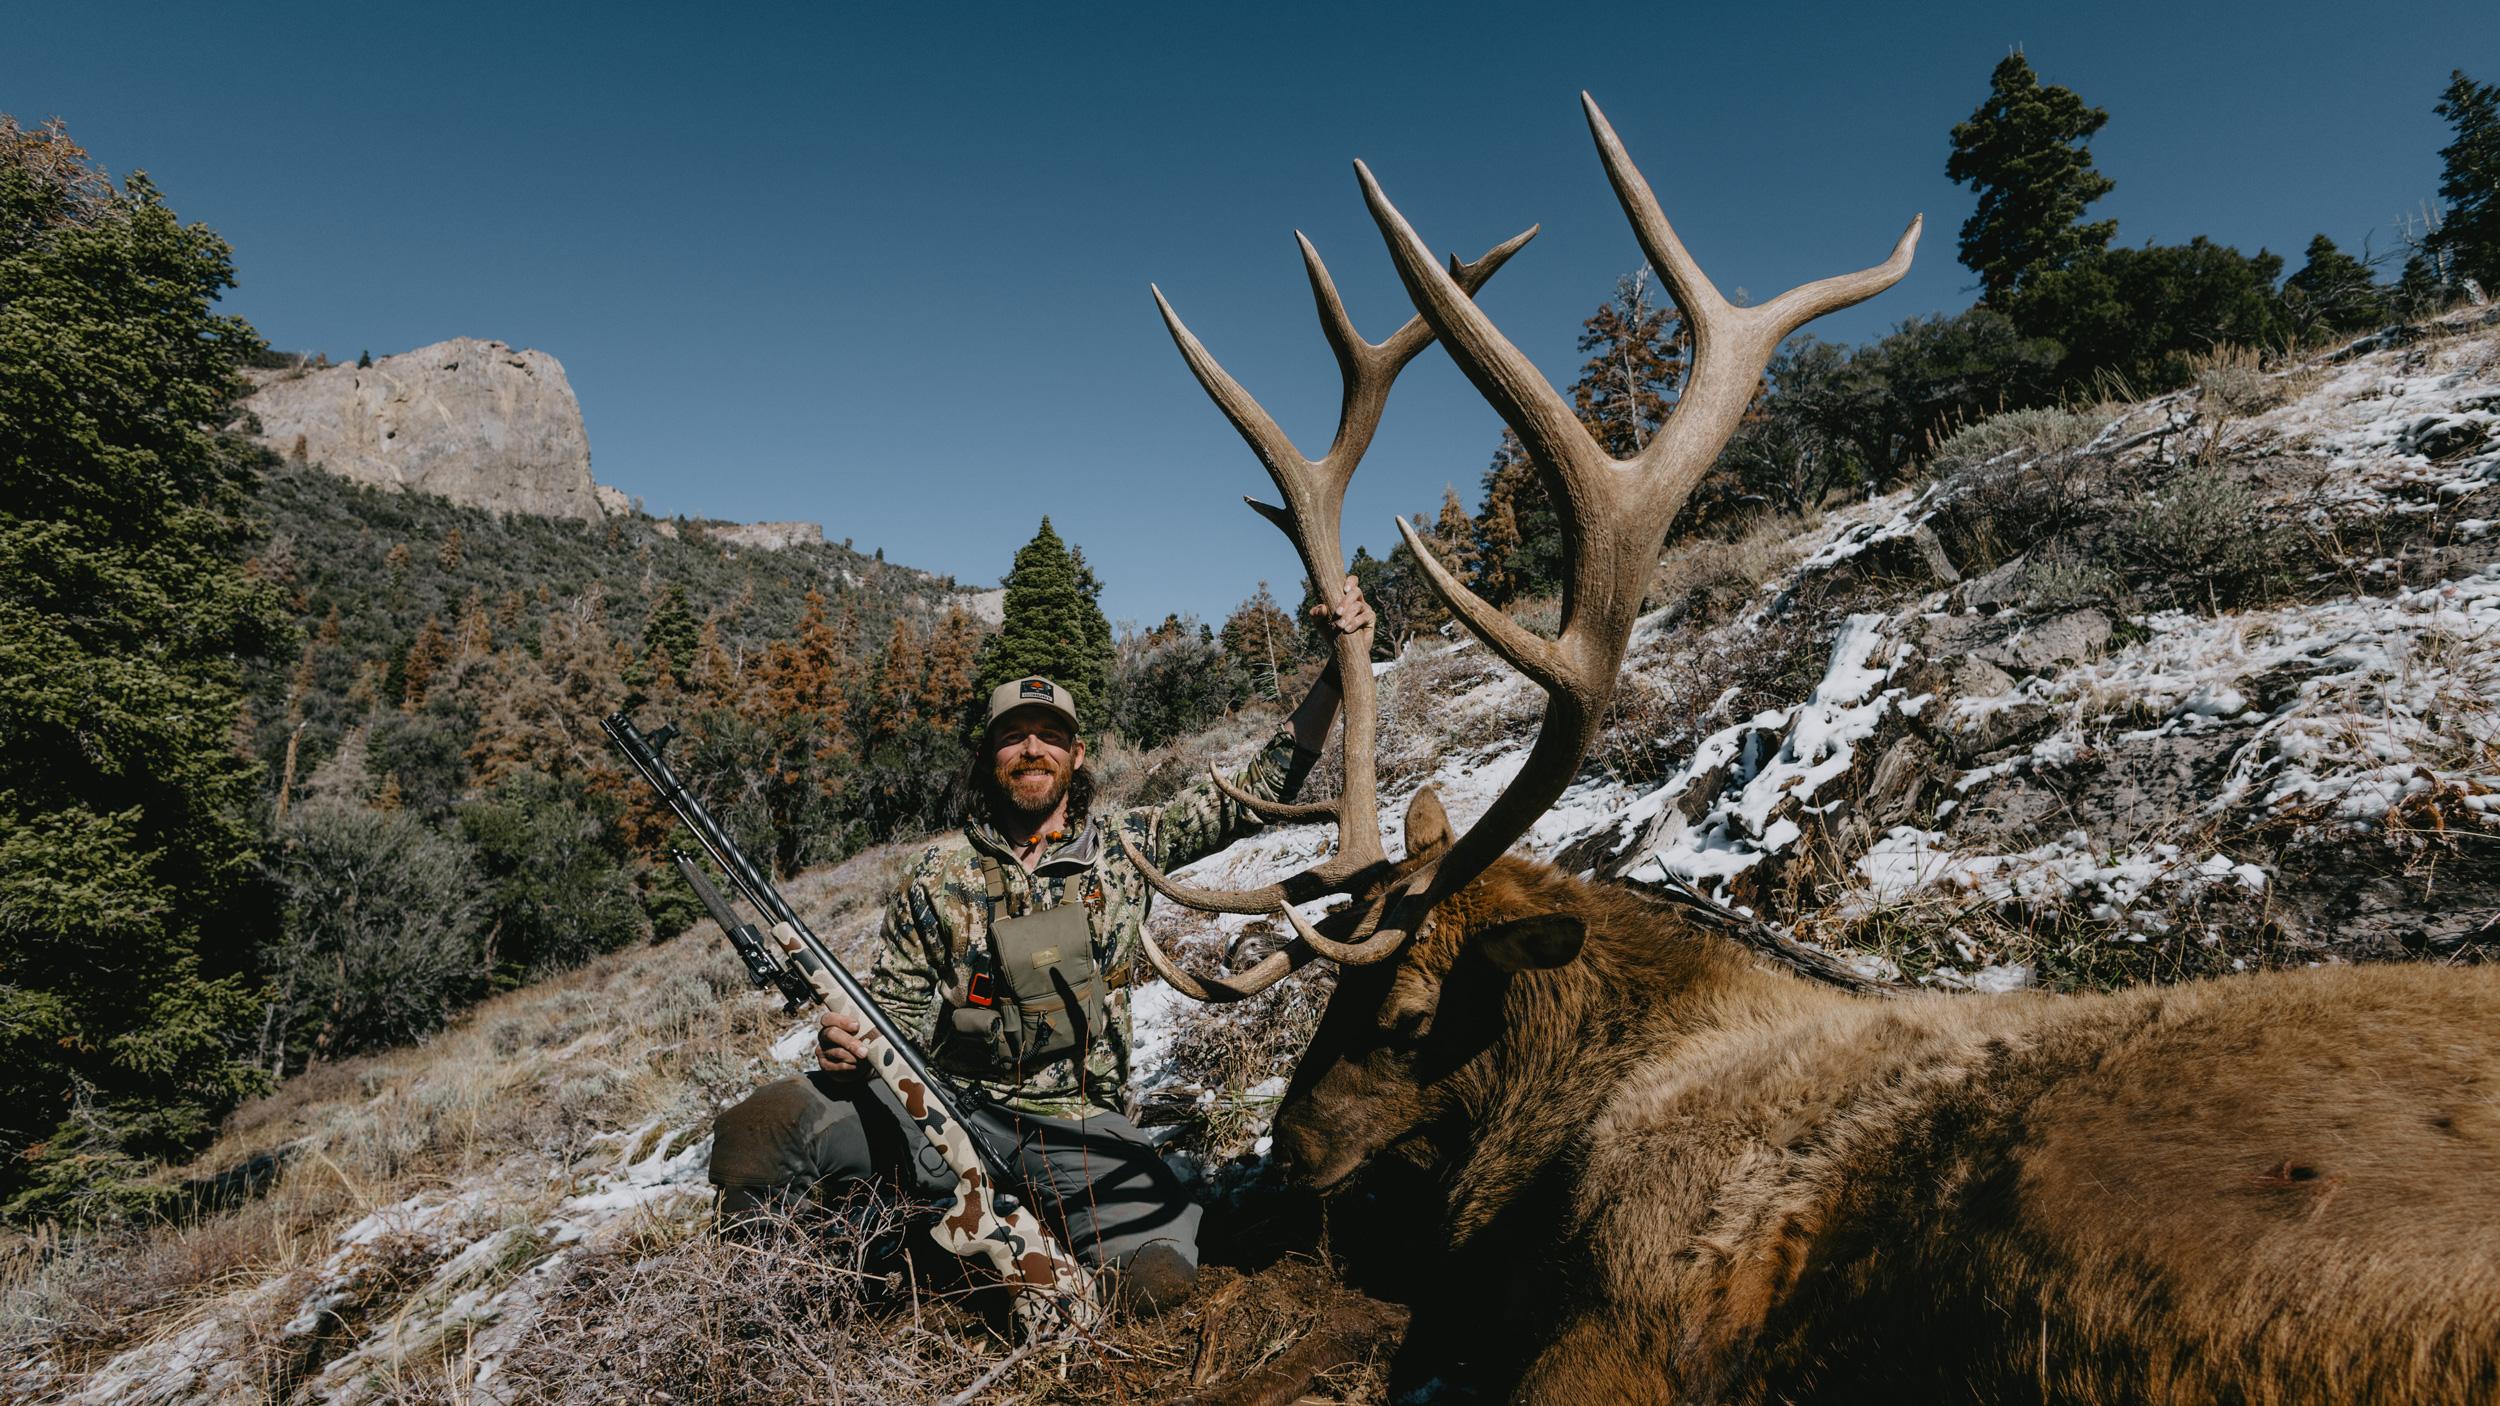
pixel 1031 692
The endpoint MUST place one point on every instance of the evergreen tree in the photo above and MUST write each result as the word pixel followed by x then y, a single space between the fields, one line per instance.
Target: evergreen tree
pixel 670 638
pixel 2023 151
pixel 951 671
pixel 2143 315
pixel 381 937
pixel 803 703
pixel 1098 646
pixel 426 657
pixel 894 702
pixel 128 893
pixel 558 888
pixel 1263 643
pixel 2332 292
pixel 1171 681
pixel 2468 237
pixel 1053 626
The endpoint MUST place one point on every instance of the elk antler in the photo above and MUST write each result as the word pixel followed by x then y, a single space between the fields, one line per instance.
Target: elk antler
pixel 1615 514
pixel 1314 494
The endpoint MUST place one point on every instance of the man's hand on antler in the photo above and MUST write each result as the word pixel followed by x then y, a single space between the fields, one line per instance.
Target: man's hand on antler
pixel 1349 612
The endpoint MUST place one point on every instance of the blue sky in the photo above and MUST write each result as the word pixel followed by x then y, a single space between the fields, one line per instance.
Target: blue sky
pixel 886 267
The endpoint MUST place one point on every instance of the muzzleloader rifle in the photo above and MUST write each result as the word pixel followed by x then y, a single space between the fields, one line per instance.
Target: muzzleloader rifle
pixel 1051 1292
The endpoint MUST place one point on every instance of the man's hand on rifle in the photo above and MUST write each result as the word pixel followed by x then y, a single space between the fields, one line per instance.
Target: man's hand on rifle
pixel 839 1050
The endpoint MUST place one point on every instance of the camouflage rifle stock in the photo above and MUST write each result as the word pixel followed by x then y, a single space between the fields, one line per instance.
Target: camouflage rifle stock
pixel 1051 1291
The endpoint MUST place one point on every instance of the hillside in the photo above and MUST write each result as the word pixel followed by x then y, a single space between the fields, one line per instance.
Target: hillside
pixel 385 562
pixel 2144 693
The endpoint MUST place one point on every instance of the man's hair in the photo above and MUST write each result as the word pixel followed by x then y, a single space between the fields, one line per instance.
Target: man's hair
pixel 981 801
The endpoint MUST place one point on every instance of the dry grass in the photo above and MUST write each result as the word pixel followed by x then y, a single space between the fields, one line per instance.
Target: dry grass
pixel 2234 382
pixel 1126 774
pixel 1707 581
pixel 524 1087
pixel 523 1099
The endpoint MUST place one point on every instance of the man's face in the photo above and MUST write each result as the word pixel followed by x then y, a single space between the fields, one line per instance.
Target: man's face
pixel 1033 756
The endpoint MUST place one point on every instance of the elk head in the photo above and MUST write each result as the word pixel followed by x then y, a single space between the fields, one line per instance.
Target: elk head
pixel 1396 1029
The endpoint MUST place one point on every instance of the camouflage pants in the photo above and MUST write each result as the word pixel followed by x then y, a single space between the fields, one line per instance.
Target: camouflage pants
pixel 1096 1180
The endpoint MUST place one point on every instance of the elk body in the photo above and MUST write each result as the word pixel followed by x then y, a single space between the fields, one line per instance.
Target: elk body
pixel 1676 1174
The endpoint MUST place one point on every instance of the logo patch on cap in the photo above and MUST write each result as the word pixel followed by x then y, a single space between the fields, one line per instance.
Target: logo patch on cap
pixel 1034 688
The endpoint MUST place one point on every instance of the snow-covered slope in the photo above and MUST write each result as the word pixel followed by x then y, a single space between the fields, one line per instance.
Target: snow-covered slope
pixel 2207 691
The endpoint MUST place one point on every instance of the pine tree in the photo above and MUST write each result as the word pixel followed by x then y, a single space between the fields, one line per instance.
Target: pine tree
pixel 803 703
pixel 1635 348
pixel 950 676
pixel 128 850
pixel 1053 626
pixel 1263 641
pixel 717 680
pixel 670 639
pixel 1098 649
pixel 426 658
pixel 2023 152
pixel 2468 237
pixel 520 727
pixel 2332 292
pixel 894 704
pixel 1453 536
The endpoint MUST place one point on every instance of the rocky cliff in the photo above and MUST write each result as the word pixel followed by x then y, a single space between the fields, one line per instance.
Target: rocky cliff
pixel 472 421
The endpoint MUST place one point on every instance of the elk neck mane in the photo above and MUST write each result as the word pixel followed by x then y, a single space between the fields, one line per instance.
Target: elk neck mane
pixel 1646 981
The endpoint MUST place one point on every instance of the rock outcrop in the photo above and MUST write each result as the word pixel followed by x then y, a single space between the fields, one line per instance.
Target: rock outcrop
pixel 767 536
pixel 472 421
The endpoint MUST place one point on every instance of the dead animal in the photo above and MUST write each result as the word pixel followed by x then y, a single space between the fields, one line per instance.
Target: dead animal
pixel 1674 1172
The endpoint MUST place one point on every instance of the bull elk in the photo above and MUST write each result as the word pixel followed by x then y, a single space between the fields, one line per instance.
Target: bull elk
pixel 1678 1173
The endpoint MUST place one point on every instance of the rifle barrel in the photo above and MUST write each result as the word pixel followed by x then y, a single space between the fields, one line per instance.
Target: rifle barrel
pixel 758 890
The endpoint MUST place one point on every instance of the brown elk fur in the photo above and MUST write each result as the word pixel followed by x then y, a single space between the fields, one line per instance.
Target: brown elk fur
pixel 1680 1175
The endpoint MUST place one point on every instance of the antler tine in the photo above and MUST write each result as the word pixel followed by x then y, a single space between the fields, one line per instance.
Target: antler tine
pixel 1615 512
pixel 1266 809
pixel 1731 345
pixel 1272 968
pixel 1507 637
pixel 1502 373
pixel 1329 876
pixel 1314 502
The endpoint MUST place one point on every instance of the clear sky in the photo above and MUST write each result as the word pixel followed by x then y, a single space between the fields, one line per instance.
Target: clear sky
pixel 885 267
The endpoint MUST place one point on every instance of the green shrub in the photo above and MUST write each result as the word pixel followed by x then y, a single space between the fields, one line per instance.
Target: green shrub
pixel 382 936
pixel 2204 542
pixel 2058 577
pixel 558 883
pixel 2033 434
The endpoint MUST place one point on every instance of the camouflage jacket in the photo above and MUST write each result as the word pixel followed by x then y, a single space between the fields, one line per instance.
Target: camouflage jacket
pixel 941 916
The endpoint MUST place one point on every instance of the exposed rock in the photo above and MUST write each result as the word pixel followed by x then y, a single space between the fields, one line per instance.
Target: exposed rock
pixel 615 502
pixel 988 607
pixel 2075 637
pixel 1975 736
pixel 767 536
pixel 1995 591
pixel 475 422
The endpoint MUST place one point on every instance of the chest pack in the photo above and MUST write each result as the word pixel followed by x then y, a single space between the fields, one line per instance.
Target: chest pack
pixel 1040 998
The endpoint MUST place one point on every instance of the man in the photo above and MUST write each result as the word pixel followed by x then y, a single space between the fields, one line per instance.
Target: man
pixel 1006 957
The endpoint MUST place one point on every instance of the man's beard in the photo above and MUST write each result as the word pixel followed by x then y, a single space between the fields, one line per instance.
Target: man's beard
pixel 1032 785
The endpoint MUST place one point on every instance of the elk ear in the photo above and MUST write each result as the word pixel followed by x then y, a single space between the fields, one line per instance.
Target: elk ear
pixel 1523 944
pixel 1427 825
